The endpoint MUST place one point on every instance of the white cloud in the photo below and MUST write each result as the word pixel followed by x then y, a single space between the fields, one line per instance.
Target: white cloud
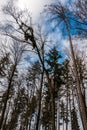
pixel 35 7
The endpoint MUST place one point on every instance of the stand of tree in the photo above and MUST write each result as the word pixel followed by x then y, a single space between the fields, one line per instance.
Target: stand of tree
pixel 47 93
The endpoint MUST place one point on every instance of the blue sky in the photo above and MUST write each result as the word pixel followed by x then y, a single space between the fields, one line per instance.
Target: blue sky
pixel 35 8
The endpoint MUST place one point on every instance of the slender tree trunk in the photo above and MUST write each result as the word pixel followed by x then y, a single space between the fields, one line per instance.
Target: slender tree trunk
pixel 70 111
pixel 53 114
pixel 52 103
pixel 67 110
pixel 63 124
pixel 29 126
pixel 39 107
pixel 58 116
pixel 41 85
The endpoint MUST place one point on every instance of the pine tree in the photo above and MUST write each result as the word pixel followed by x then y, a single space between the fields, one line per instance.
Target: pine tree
pixel 55 71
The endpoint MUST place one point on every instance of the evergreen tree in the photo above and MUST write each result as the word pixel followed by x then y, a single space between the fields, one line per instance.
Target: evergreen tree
pixel 55 71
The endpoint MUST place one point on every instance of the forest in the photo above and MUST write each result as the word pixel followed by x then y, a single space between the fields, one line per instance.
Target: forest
pixel 43 78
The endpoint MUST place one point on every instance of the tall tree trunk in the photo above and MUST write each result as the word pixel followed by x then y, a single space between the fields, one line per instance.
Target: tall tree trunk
pixel 67 110
pixel 78 88
pixel 52 90
pixel 29 126
pixel 41 84
pixel 39 106
pixel 70 111
pixel 58 116
pixel 63 124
